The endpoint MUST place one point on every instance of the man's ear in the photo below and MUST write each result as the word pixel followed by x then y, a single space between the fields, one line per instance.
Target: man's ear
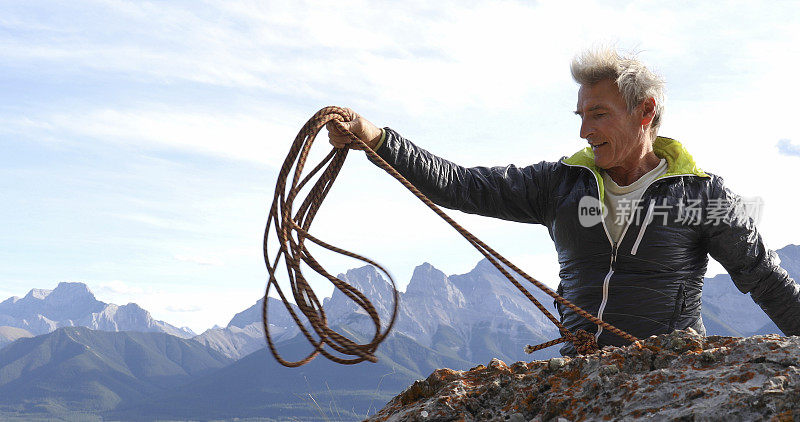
pixel 648 111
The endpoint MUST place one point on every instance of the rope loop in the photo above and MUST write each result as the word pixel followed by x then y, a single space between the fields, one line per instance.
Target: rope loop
pixel 290 223
pixel 291 227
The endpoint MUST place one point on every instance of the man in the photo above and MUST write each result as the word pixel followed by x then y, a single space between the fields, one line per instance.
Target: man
pixel 633 218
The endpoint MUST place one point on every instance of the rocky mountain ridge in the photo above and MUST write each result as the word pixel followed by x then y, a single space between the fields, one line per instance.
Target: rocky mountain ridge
pixel 244 334
pixel 474 316
pixel 73 304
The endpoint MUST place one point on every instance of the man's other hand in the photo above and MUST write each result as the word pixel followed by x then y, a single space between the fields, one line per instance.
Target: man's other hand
pixel 360 127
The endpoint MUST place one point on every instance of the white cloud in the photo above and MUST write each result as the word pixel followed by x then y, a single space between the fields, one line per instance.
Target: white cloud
pixel 786 147
pixel 182 309
pixel 245 137
pixel 154 221
pixel 118 287
pixel 200 259
pixel 420 60
pixel 118 292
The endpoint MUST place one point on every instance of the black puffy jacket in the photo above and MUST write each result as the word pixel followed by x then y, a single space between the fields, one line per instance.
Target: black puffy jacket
pixel 650 281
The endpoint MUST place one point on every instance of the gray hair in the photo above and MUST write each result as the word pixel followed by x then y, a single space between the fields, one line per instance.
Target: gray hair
pixel 635 81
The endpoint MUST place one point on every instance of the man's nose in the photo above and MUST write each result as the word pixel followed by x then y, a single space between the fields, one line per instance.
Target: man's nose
pixel 586 130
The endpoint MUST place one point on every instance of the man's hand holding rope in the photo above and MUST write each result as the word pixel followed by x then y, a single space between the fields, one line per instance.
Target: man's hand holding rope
pixel 360 127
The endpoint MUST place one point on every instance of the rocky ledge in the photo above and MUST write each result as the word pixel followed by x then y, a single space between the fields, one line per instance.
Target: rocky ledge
pixel 679 376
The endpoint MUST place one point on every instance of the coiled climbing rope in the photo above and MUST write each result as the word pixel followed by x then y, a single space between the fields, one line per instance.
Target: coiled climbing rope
pixel 291 227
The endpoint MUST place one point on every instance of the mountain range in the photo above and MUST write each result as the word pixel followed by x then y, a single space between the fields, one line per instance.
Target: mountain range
pixel 135 369
pixel 75 369
pixel 73 304
pixel 244 334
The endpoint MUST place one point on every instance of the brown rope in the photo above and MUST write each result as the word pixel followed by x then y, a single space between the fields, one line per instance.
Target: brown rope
pixel 292 232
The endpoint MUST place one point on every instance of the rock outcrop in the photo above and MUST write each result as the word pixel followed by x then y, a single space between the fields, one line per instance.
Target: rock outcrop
pixel 679 376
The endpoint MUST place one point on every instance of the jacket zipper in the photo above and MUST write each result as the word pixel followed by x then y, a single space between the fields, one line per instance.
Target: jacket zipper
pixel 612 266
pixel 614 245
pixel 607 279
pixel 605 289
pixel 647 219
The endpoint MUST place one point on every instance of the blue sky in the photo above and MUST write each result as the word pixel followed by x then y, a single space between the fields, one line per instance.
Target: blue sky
pixel 141 139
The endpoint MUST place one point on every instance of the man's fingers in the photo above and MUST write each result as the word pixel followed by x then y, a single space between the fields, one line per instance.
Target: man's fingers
pixel 336 136
pixel 338 142
pixel 333 128
pixel 347 126
pixel 347 143
pixel 340 134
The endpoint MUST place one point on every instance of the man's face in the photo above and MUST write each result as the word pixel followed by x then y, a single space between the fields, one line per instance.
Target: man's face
pixel 616 136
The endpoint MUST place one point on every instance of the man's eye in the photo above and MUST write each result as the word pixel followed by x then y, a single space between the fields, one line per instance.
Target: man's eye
pixel 599 115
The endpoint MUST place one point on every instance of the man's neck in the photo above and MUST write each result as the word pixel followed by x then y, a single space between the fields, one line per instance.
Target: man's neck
pixel 623 176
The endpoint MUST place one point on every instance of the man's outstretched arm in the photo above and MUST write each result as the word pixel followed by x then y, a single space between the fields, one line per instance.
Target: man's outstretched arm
pixel 738 246
pixel 511 193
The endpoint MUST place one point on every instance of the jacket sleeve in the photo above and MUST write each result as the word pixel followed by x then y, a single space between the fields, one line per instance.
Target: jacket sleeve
pixel 510 193
pixel 734 241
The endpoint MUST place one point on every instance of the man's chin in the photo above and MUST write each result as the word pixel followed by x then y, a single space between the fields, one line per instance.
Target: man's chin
pixel 600 163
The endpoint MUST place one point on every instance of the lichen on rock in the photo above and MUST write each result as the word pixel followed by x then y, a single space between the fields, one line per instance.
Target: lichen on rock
pixel 676 376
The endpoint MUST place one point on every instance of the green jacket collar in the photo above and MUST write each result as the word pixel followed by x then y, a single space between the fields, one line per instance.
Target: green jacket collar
pixel 679 161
